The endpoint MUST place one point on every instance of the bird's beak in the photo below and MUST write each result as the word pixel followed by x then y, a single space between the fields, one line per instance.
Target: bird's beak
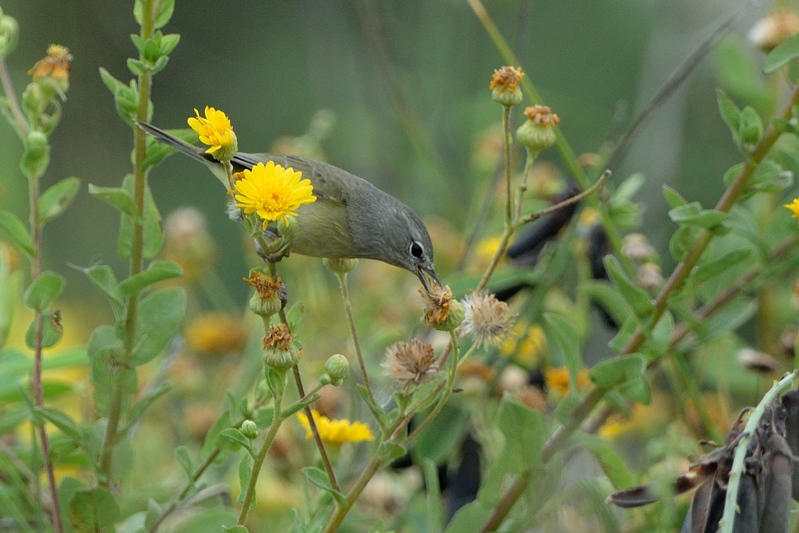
pixel 422 272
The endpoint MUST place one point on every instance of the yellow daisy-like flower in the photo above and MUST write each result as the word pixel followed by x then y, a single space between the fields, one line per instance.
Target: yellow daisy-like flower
pixel 273 192
pixel 214 130
pixel 794 207
pixel 557 380
pixel 336 431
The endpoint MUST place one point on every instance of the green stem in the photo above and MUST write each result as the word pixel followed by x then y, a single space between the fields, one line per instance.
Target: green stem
pixel 136 256
pixel 345 297
pixel 22 125
pixel 453 370
pixel 249 495
pixel 731 501
pixel 507 145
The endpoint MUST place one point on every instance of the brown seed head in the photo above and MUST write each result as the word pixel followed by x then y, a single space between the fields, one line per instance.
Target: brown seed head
pixel 506 79
pixel 542 115
pixel 410 364
pixel 278 337
pixel 266 285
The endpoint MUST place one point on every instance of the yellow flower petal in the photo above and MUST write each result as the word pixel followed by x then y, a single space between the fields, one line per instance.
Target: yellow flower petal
pixel 272 192
pixel 214 129
pixel 336 431
pixel 794 207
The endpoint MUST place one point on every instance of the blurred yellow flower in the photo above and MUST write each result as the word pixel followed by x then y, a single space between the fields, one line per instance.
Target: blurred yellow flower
pixel 216 333
pixel 336 431
pixel 526 349
pixel 487 248
pixel 557 380
pixel 214 129
pixel 273 192
pixel 794 207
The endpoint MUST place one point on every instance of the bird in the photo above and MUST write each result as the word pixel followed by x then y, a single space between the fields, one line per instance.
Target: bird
pixel 350 219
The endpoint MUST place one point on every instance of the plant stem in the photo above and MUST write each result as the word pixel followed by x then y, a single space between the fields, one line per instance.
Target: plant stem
pixel 136 255
pixel 8 88
pixel 731 501
pixel 345 297
pixel 259 459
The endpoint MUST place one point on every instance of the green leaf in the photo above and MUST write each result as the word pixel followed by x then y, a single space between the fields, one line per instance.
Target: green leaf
pixel 52 330
pixel 618 370
pixel 659 338
pixel 43 290
pixel 235 529
pixel 184 459
pixel 637 298
pixel 61 420
pixel 136 67
pixel 382 418
pixel 294 316
pixel 682 239
pixel 673 198
pixel 118 197
pixel 785 52
pixel 319 477
pixel 730 114
pixel 524 433
pixel 144 402
pixel 608 298
pixel 105 353
pixel 159 315
pixel 104 279
pixel 564 343
pixel 156 271
pixel 694 215
pixel 164 12
pixel 153 234
pixel 55 200
pixel 169 42
pixel 92 510
pixel 443 434
pixel 611 462
pixel 234 439
pixel 16 232
pixel 715 266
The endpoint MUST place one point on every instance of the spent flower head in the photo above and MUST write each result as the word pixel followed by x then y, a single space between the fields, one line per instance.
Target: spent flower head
pixel 51 73
pixel 505 85
pixel 793 207
pixel 538 132
pixel 335 431
pixel 272 192
pixel 280 352
pixel 487 319
pixel 215 132
pixel 410 364
pixel 270 293
pixel 774 29
pixel 442 311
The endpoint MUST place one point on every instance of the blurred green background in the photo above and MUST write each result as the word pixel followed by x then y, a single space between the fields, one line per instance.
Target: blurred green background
pixel 407 83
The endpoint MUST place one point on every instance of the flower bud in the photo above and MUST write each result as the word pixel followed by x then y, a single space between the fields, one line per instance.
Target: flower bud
pixel 9 32
pixel 538 132
pixel 337 368
pixel 504 86
pixel 249 429
pixel 279 350
pixel 37 154
pixel 227 151
pixel 340 265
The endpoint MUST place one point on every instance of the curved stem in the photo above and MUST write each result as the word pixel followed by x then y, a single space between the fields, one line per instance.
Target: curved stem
pixel 249 495
pixel 345 297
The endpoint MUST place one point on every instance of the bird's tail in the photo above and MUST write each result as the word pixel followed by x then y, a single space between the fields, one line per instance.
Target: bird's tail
pixel 195 152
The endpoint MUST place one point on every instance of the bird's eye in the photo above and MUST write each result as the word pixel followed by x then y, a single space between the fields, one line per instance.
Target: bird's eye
pixel 417 250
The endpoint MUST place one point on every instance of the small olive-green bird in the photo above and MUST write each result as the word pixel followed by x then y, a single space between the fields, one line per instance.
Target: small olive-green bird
pixel 351 218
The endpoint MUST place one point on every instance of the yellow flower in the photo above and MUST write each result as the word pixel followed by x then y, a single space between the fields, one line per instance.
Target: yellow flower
pixel 794 207
pixel 557 380
pixel 336 431
pixel 214 130
pixel 528 347
pixel 273 192
pixel 216 333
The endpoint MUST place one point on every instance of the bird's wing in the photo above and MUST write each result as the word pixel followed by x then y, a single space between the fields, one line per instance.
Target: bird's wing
pixel 326 179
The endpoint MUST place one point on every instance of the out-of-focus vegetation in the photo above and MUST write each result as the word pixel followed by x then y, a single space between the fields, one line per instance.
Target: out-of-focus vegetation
pixel 639 319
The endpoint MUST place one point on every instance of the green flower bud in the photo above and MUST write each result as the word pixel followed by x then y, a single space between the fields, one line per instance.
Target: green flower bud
pixel 9 32
pixel 249 429
pixel 538 132
pixel 340 265
pixel 37 154
pixel 504 86
pixel 337 368
pixel 33 99
pixel 751 127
